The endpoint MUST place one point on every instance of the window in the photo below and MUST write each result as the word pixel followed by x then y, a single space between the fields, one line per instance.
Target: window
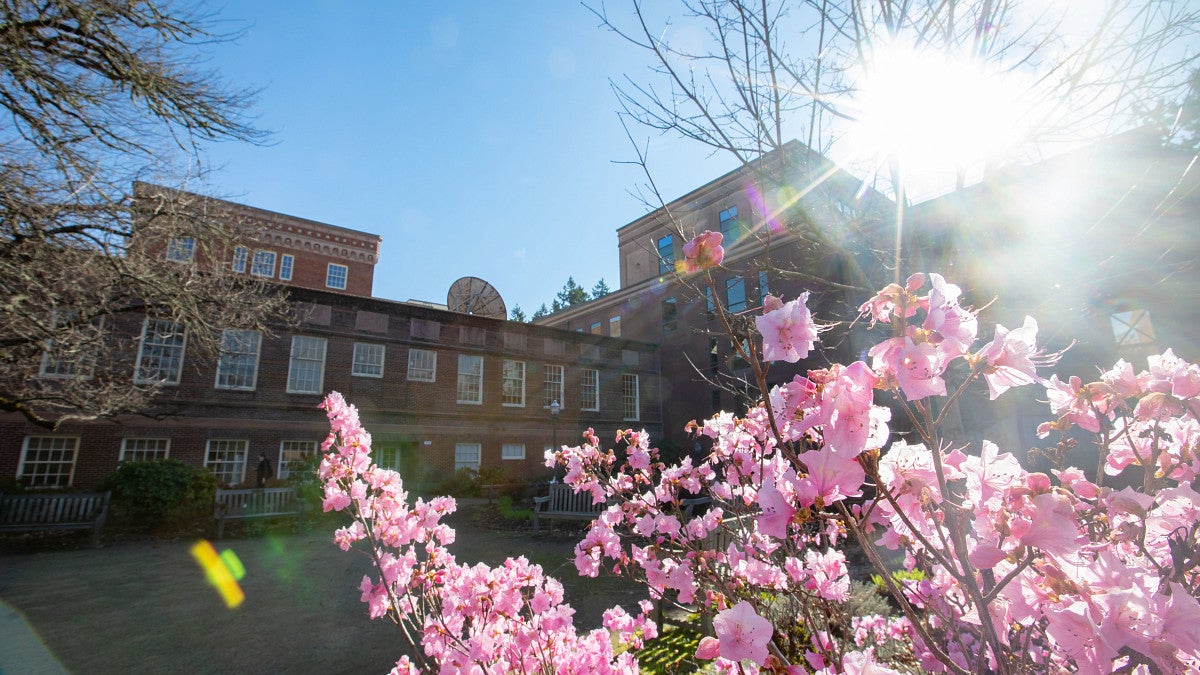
pixel 513 384
pixel 614 326
pixel 240 255
pixel 670 315
pixel 160 357
pixel 422 365
pixel 589 389
pixel 368 360
pixel 264 264
pixel 470 379
pixel 237 367
pixel 666 254
pixel 306 369
pixel 764 285
pixel 630 400
pixel 710 305
pixel 335 276
pixel 552 389
pixel 58 361
pixel 714 356
pixel 466 456
pixel 48 461
pixel 731 228
pixel 181 249
pixel 735 294
pixel 293 453
pixel 1132 327
pixel 227 460
pixel 512 451
pixel 286 262
pixel 594 329
pixel 387 457
pixel 144 449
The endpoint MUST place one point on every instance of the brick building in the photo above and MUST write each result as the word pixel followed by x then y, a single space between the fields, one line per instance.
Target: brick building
pixel 438 390
pixel 792 222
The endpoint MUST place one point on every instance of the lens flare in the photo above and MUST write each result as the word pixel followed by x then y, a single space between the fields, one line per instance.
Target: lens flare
pixel 222 570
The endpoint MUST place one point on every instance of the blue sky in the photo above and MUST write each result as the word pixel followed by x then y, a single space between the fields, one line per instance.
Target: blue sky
pixel 478 139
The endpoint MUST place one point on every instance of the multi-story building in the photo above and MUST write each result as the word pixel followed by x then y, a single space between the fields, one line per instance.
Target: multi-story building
pixel 438 390
pixel 791 222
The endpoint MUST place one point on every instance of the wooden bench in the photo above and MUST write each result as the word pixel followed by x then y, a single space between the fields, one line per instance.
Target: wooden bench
pixel 256 503
pixel 67 511
pixel 563 503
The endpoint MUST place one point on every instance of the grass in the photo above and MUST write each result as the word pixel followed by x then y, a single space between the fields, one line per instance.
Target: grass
pixel 672 653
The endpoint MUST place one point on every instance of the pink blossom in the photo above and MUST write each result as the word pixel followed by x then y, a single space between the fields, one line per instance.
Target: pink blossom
pixel 703 251
pixel 888 302
pixel 831 477
pixel 788 332
pixel 1011 358
pixel 777 511
pixel 954 326
pixel 742 633
pixel 916 367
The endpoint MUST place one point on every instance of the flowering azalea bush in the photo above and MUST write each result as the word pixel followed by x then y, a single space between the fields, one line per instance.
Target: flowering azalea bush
pixel 1011 570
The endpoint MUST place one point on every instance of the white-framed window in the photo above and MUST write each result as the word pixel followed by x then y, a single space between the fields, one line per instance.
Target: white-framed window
pixel 512 386
pixel 470 379
pixel 263 264
pixel 286 262
pixel 181 249
pixel 237 366
pixel 466 456
pixel 240 256
pixel 386 457
pixel 666 254
pixel 336 275
pixel 1132 328
pixel 589 389
pixel 60 363
pixel 48 461
pixel 630 397
pixel 512 451
pixel 294 451
pixel 552 388
pixel 144 449
pixel 306 369
pixel 160 356
pixel 614 326
pixel 226 458
pixel 422 365
pixel 368 360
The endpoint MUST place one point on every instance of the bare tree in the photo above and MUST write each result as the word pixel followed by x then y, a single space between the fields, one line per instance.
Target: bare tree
pixel 98 93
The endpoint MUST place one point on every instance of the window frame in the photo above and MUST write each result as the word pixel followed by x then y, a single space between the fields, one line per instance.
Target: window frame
pixel 589 390
pixel 670 315
pixel 222 364
pixel 730 225
pixel 126 450
pixel 24 461
pixel 257 267
pixel 614 326
pixel 432 370
pixel 513 400
pixel 287 262
pixel 181 249
pixel 465 379
pixel 735 282
pixel 505 455
pixel 281 470
pixel 666 261
pixel 552 386
pixel 764 285
pixel 241 255
pixel 295 361
pixel 460 464
pixel 343 277
pixel 355 363
pixel 178 329
pixel 627 397
pixel 208 461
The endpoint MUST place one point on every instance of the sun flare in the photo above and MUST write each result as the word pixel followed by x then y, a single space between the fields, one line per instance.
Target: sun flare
pixel 933 113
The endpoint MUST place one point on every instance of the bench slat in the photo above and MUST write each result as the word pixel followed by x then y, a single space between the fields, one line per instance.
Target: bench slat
pixel 54 512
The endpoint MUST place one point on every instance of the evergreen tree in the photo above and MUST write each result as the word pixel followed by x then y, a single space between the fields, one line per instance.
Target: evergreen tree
pixel 571 294
pixel 517 314
pixel 541 311
pixel 601 289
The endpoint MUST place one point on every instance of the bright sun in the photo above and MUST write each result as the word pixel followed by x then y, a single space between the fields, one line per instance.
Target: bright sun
pixel 932 113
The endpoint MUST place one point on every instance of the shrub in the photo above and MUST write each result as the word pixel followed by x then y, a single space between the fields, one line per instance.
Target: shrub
pixel 162 494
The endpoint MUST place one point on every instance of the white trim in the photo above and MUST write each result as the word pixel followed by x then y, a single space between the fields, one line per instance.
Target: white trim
pixel 595 389
pixel 514 456
pixel 625 397
pixel 254 265
pixel 166 451
pixel 245 456
pixel 355 363
pixel 468 465
pixel 504 379
pixel 287 266
pixel 293 361
pixel 420 369
pixel 25 452
pixel 459 384
pixel 345 276
pixel 254 371
pixel 137 369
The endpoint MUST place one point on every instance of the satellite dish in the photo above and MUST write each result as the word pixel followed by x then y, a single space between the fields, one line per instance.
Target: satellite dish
pixel 472 295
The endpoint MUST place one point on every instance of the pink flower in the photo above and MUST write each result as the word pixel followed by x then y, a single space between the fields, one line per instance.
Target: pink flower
pixel 954 326
pixel 742 633
pixel 917 367
pixel 703 251
pixel 776 513
pixel 1011 358
pixel 888 301
pixel 788 330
